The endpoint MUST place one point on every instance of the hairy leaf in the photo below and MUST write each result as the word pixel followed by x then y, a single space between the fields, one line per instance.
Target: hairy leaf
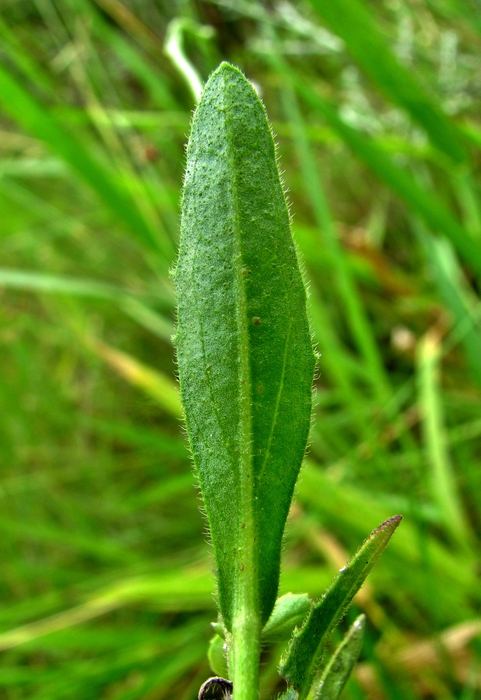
pixel 305 652
pixel 342 662
pixel 243 342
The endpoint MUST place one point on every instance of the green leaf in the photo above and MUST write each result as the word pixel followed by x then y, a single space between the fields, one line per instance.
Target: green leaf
pixel 243 344
pixel 304 654
pixel 289 611
pixel 342 662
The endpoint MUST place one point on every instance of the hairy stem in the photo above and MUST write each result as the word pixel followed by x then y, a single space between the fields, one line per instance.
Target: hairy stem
pixel 245 655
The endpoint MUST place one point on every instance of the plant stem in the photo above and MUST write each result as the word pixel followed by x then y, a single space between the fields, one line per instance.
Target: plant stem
pixel 245 656
pixel 246 623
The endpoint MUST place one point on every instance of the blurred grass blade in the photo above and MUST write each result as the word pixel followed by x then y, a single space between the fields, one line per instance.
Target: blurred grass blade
pixel 60 621
pixel 426 203
pixel 469 198
pixel 40 282
pixel 353 22
pixel 442 480
pixel 21 58
pixel 305 652
pixel 182 590
pixel 360 327
pixel 154 383
pixel 130 23
pixel 458 296
pixel 149 319
pixel 134 60
pixel 33 117
pixel 144 439
pixel 341 663
pixel 53 284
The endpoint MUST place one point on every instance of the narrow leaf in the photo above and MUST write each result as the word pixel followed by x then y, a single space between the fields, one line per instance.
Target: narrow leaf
pixel 442 481
pixel 41 282
pixel 305 652
pixel 244 348
pixel 342 662
pixel 454 288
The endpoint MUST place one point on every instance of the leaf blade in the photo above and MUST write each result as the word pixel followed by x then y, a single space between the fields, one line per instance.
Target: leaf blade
pixel 243 344
pixel 342 662
pixel 305 651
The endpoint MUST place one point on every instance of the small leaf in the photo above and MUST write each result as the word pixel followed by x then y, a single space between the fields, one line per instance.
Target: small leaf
pixel 342 662
pixel 306 649
pixel 243 343
pixel 289 611
pixel 216 656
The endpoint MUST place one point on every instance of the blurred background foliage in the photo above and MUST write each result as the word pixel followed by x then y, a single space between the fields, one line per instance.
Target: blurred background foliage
pixel 106 582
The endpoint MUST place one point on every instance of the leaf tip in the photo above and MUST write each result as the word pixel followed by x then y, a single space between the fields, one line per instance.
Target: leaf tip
pixel 389 524
pixel 359 622
pixel 384 532
pixel 227 68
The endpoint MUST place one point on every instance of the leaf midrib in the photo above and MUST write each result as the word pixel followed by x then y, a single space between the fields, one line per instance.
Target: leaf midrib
pixel 247 595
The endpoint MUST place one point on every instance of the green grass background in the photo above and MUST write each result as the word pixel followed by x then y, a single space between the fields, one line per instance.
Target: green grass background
pixel 106 581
